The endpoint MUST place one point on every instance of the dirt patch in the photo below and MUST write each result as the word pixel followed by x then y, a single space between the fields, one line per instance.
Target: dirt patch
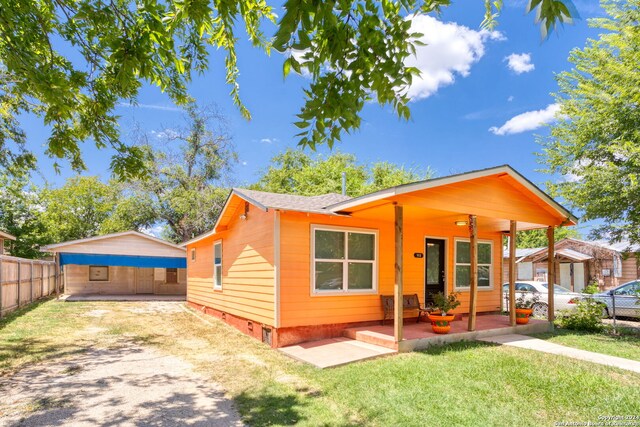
pixel 129 385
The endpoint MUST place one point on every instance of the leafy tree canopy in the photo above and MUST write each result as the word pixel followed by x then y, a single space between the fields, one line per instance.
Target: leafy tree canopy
pixel 71 62
pixel 295 172
pixel 538 238
pixel 20 209
pixel 87 207
pixel 189 173
pixel 595 144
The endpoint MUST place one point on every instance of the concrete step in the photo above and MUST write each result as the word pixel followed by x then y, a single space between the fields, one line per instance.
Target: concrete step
pixel 370 337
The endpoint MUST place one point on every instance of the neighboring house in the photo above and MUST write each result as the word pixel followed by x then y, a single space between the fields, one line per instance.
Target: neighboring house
pixel 4 239
pixel 287 269
pixel 121 263
pixel 580 263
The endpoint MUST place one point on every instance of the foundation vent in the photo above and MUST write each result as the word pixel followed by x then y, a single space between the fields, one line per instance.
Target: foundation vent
pixel 266 335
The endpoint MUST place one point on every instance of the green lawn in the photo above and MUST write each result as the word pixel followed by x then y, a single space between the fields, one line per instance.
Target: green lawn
pixel 460 384
pixel 624 344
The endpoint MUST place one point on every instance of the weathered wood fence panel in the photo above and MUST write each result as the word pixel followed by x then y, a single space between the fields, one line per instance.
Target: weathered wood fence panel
pixel 23 281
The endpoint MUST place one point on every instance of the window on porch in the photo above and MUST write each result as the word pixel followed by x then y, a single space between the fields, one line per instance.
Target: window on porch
pixel 344 261
pixel 463 264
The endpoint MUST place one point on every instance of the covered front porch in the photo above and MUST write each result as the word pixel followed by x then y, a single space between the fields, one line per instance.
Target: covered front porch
pixel 464 217
pixel 369 342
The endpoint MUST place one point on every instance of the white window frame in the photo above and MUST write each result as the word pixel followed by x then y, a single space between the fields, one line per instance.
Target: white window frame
pixel 345 269
pixel 456 263
pixel 217 286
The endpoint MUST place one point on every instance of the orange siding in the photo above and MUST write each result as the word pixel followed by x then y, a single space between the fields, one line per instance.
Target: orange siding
pixel 247 268
pixel 299 308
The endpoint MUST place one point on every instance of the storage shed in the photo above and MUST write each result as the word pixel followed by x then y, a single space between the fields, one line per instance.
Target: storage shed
pixel 122 263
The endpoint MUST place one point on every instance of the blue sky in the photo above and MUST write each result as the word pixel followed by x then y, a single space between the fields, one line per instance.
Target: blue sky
pixel 480 103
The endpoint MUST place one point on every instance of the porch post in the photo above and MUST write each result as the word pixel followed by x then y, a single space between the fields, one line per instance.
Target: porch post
pixel 551 272
pixel 397 289
pixel 512 274
pixel 473 291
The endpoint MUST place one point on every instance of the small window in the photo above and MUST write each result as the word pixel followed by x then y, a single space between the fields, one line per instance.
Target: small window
pixel 193 254
pixel 463 264
pixel 217 265
pixel 98 273
pixel 172 275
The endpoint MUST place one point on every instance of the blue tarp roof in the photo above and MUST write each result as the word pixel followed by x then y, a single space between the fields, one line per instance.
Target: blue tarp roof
pixel 123 260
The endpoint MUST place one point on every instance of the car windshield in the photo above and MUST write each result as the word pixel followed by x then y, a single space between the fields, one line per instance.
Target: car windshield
pixel 557 289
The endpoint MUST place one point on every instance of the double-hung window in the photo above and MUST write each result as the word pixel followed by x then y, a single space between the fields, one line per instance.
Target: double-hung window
pixel 344 260
pixel 217 265
pixel 463 264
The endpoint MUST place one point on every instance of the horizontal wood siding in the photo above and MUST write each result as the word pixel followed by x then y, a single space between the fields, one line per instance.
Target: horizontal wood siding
pixel 300 308
pixel 247 267
pixel 124 245
pixel 122 281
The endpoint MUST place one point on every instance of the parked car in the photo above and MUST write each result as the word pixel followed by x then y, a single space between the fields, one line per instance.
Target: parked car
pixel 627 300
pixel 563 298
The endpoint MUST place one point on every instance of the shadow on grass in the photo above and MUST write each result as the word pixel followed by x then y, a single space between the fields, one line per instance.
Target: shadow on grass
pixel 34 349
pixel 8 318
pixel 457 347
pixel 267 409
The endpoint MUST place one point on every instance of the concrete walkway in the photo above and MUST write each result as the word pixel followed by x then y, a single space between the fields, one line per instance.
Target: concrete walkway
pixel 522 341
pixel 333 352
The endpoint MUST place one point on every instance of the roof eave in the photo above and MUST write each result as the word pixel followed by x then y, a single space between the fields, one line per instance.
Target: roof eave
pixel 437 182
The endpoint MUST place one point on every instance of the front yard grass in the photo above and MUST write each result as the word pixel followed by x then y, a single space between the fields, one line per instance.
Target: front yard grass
pixel 459 384
pixel 625 343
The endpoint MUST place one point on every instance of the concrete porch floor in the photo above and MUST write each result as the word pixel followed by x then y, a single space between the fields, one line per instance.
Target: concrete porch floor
pixel 420 336
pixel 132 297
pixel 374 341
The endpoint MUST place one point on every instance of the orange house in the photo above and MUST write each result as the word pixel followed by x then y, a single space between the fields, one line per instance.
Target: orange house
pixel 288 269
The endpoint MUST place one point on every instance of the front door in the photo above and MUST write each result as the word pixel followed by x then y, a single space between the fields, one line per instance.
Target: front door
pixel 434 280
pixel 144 280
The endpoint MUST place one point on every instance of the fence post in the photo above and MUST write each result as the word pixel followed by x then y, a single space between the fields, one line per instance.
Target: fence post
pixel 31 283
pixel 19 282
pixel 42 280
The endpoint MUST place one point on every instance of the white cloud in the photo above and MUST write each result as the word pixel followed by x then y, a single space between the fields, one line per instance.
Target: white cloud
pixel 527 121
pixel 243 163
pixel 166 134
pixel 520 63
pixel 450 49
pixel 269 140
pixel 511 98
pixel 149 106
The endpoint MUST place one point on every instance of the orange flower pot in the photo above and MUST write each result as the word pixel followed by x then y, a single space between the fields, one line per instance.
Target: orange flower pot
pixel 440 324
pixel 522 315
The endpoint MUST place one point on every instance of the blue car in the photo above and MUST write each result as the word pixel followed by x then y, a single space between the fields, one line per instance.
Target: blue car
pixel 627 300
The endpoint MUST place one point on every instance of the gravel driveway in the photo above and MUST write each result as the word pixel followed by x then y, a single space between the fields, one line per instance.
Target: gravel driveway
pixel 125 386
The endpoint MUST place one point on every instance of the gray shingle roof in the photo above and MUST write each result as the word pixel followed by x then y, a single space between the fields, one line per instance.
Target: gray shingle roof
pixel 315 204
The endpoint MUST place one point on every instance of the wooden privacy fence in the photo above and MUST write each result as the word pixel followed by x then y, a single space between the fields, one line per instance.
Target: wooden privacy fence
pixel 23 281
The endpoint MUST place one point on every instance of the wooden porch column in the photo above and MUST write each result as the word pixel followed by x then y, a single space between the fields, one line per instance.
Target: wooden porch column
pixel 551 272
pixel 512 274
pixel 473 291
pixel 397 289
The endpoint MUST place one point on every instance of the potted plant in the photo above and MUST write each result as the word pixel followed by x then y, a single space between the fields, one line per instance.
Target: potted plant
pixel 524 304
pixel 444 304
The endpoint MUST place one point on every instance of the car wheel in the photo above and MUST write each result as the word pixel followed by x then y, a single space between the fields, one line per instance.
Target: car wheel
pixel 605 312
pixel 540 309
